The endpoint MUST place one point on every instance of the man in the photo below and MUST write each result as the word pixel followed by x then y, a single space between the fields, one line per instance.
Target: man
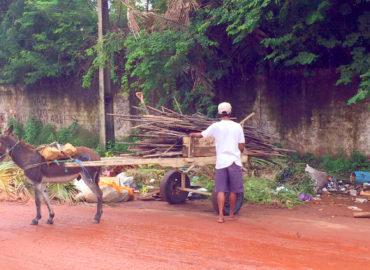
pixel 229 139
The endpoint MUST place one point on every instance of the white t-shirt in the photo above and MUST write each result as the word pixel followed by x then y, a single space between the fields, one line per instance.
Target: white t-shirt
pixel 228 135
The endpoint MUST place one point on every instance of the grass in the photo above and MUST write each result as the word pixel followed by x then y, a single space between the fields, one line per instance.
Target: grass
pixel 266 191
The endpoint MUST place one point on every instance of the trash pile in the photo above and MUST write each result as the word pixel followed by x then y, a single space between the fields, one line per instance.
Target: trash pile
pixel 357 185
pixel 354 187
pixel 115 189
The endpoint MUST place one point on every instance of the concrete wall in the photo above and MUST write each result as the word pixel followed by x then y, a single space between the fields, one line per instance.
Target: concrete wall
pixel 58 104
pixel 307 113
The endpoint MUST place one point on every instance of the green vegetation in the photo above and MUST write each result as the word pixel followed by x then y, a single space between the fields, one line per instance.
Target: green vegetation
pixel 302 34
pixel 279 182
pixel 338 165
pixel 242 37
pixel 41 39
pixel 266 191
pixel 114 149
pixel 185 58
pixel 35 133
pixel 188 59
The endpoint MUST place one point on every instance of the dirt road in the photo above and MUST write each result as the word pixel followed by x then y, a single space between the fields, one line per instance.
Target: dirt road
pixel 155 235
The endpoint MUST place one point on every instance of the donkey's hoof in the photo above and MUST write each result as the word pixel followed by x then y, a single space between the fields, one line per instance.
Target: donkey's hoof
pixel 96 220
pixel 50 221
pixel 34 222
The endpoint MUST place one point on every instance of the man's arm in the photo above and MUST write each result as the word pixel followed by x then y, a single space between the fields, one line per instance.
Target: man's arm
pixel 241 139
pixel 196 135
pixel 241 147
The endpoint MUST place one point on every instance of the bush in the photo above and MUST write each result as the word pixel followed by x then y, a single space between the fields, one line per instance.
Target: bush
pixel 83 137
pixel 32 130
pixel 307 158
pixel 48 134
pixel 286 174
pixel 35 133
pixel 114 149
pixel 17 127
pixel 341 166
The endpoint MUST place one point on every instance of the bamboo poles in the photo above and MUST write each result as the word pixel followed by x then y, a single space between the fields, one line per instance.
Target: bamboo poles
pixel 160 133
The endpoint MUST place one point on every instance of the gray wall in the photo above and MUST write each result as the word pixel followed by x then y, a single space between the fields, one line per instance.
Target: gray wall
pixel 307 113
pixel 60 105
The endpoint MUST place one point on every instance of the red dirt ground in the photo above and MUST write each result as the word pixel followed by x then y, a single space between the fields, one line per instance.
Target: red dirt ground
pixel 155 235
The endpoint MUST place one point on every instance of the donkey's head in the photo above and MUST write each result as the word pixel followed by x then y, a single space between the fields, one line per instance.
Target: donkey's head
pixel 6 138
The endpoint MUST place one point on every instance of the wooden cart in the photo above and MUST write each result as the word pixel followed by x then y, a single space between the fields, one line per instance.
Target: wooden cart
pixel 175 184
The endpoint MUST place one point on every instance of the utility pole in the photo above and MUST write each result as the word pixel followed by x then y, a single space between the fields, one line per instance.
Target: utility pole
pixel 106 123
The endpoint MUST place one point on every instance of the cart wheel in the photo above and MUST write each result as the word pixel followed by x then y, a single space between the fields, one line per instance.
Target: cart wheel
pixel 168 187
pixel 238 203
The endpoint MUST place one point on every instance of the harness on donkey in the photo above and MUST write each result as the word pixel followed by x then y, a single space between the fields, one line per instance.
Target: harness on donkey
pixel 56 153
pixel 40 170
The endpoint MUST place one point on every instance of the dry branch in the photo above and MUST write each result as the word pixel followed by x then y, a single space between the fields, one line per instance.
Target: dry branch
pixel 160 133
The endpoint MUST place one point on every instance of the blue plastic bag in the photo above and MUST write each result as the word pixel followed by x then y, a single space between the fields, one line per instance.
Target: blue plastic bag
pixel 361 177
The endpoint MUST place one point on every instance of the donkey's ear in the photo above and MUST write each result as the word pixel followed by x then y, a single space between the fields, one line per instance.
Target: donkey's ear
pixel 9 130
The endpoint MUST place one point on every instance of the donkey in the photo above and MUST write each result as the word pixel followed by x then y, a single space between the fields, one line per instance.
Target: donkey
pixel 40 173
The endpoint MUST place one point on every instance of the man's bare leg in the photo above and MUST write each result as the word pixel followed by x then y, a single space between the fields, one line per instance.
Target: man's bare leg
pixel 221 204
pixel 232 200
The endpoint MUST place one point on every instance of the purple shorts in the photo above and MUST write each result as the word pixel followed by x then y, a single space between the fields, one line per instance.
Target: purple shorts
pixel 229 179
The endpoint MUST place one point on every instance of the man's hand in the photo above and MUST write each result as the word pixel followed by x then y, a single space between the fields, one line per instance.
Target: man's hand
pixel 241 147
pixel 196 135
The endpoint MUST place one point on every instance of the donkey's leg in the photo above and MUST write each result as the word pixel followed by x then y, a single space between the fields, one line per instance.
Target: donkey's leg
pixel 93 185
pixel 47 201
pixel 38 191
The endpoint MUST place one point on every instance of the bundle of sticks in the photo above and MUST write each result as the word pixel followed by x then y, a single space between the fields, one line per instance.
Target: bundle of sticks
pixel 159 133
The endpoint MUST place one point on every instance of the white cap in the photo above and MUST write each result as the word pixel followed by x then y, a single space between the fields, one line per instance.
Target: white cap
pixel 224 107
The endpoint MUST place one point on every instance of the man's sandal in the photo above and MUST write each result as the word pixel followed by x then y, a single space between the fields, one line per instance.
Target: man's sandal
pixel 232 218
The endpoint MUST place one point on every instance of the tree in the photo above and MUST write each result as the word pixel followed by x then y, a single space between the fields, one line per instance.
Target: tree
pixel 311 33
pixel 243 36
pixel 181 47
pixel 45 38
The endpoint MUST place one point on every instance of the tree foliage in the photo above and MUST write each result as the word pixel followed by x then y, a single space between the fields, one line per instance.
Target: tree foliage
pixel 49 38
pixel 44 38
pixel 311 33
pixel 247 35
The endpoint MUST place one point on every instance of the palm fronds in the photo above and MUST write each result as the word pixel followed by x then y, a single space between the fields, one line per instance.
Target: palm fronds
pixel 176 16
pixel 12 181
pixel 14 185
pixel 179 10
pixel 62 192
